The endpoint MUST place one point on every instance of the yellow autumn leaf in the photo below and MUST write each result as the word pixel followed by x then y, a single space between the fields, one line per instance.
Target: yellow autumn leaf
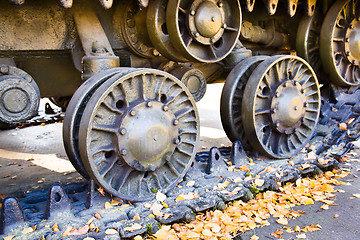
pixel 27 230
pixel 254 237
pixel 282 221
pixel 136 217
pixel 9 237
pixel 108 205
pixel 133 227
pixel 138 237
pixel 207 233
pixel 259 182
pixel 324 206
pixel 356 195
pixel 179 198
pixel 111 231
pixel 301 236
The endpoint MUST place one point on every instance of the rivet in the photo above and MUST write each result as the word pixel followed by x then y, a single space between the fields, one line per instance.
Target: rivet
pixel 353 61
pixel 347 53
pixel 168 158
pixel 149 104
pixel 4 69
pixel 277 94
pixel 296 108
pixel 277 124
pixel 220 4
pixel 211 40
pixel 196 34
pixel 285 84
pixel 273 110
pixel 192 13
pixel 175 122
pixel 224 25
pixel 122 131
pixel 165 108
pixel 294 83
pixel 213 19
pixel 351 26
pixel 176 141
pixel 132 113
pixel 347 40
pixel 302 90
pixel 306 104
pixel 123 152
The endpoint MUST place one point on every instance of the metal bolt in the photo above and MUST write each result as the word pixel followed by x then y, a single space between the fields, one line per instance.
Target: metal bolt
pixel 306 104
pixel 294 83
pixel 211 40
pixel 347 39
pixel 122 131
pixel 277 124
pixel 165 108
pixel 176 140
pixel 347 53
pixel 132 113
pixel 213 19
pixel 4 69
pixel 302 90
pixel 175 122
pixel 277 94
pixel 123 152
pixel 351 26
pixel 149 104
pixel 285 84
pixel 168 158
pixel 273 110
pixel 353 61
pixel 192 13
pixel 220 4
pixel 224 25
pixel 296 108
pixel 196 34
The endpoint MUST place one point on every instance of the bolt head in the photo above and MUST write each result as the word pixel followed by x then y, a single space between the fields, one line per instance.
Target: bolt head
pixel 165 108
pixel 123 152
pixel 296 108
pixel 273 110
pixel 132 113
pixel 122 131
pixel 277 94
pixel 351 26
pixel 294 83
pixel 192 13
pixel 168 158
pixel 285 84
pixel 347 40
pixel 302 90
pixel 220 4
pixel 347 53
pixel 149 104
pixel 176 141
pixel 306 104
pixel 224 25
pixel 196 34
pixel 175 122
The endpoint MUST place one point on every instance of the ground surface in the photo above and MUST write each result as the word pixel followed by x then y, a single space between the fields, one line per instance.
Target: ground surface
pixel 34 158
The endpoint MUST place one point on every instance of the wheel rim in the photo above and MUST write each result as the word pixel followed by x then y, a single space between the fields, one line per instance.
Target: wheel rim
pixel 281 106
pixel 204 31
pixel 156 25
pixel 118 154
pixel 73 116
pixel 308 40
pixel 19 95
pixel 130 22
pixel 340 42
pixel 232 95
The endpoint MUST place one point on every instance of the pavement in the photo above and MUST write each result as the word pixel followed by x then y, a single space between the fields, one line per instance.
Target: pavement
pixel 34 158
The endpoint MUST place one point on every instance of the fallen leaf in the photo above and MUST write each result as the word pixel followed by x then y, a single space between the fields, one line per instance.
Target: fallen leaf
pixel 301 236
pixel 325 207
pixel 282 221
pixel 136 217
pixel 97 215
pixel 9 237
pixel 133 227
pixel 190 183
pixel 115 202
pixel 101 191
pixel 259 182
pixel 244 168
pixel 108 205
pixel 90 221
pixel 138 237
pixel 254 237
pixel 356 195
pixel 336 215
pixel 67 230
pixel 343 126
pixel 42 180
pixel 27 230
pixel 111 231
pixel 79 231
pixel 55 228
pixel 88 238
pixel 160 196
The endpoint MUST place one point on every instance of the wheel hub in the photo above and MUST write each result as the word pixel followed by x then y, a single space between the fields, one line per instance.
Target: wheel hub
pixel 206 21
pixel 287 107
pixel 148 136
pixel 14 100
pixel 352 42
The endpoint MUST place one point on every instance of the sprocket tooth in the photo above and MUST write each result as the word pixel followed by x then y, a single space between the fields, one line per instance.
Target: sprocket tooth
pixel 58 201
pixel 238 156
pixel 215 162
pixel 11 214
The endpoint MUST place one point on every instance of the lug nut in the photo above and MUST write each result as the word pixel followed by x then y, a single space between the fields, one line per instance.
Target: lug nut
pixel 213 19
pixel 122 131
pixel 294 83
pixel 296 108
pixel 346 39
pixel 347 53
pixel 224 25
pixel 192 13
pixel 220 4
pixel 132 113
pixel 149 104
pixel 277 94
pixel 123 152
pixel 176 140
pixel 196 34
pixel 285 84
pixel 165 108
pixel 175 122
pixel 306 104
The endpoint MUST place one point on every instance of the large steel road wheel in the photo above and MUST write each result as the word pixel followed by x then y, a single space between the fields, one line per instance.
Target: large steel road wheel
pixel 139 133
pixel 74 113
pixel 308 40
pixel 204 30
pixel 232 96
pixel 340 42
pixel 281 106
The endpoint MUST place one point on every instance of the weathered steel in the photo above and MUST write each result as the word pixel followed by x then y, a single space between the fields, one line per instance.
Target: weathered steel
pixel 281 106
pixel 340 42
pixel 139 131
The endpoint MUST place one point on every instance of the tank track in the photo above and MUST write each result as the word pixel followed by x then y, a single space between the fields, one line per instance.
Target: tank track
pixel 75 203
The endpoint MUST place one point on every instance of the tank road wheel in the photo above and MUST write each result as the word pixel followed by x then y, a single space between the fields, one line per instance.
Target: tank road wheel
pixel 308 40
pixel 232 97
pixel 139 132
pixel 74 113
pixel 340 42
pixel 19 96
pixel 281 106
pixel 204 31
pixel 159 36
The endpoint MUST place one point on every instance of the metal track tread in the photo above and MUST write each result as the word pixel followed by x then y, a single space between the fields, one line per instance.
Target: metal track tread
pixel 74 204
